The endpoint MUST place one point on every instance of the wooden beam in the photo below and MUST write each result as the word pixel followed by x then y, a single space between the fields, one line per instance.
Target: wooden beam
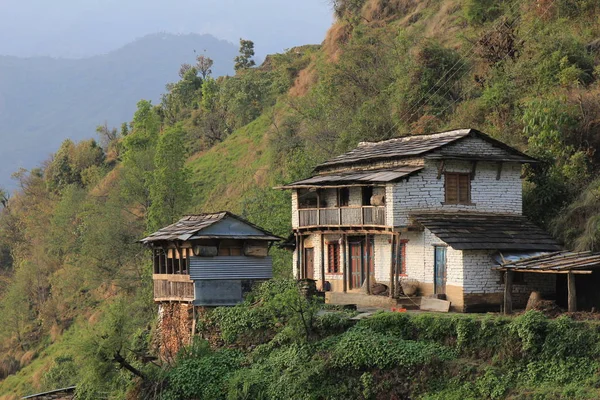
pixel 298 272
pixel 473 169
pixel 441 167
pixel 572 293
pixel 322 262
pixel 499 170
pixel 345 262
pixel 508 282
pixel 392 268
pixel 368 269
pixel 574 272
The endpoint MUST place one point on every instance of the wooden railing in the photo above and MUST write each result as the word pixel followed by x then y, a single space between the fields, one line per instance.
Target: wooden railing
pixel 342 216
pixel 173 287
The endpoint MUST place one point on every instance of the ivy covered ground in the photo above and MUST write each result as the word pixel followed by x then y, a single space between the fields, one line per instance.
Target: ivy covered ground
pixel 278 345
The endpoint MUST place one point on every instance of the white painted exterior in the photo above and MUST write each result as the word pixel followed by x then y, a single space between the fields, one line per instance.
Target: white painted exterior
pixel 470 276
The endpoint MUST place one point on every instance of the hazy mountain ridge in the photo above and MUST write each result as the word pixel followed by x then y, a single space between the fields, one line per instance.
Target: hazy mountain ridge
pixel 44 100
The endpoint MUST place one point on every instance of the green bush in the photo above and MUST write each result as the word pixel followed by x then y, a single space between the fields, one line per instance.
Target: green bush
pixel 479 12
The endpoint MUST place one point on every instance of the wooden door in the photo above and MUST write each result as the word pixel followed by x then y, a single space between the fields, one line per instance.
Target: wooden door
pixel 356 265
pixel 440 270
pixel 309 263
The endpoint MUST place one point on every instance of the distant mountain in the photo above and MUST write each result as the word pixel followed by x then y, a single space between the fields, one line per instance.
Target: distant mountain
pixel 44 100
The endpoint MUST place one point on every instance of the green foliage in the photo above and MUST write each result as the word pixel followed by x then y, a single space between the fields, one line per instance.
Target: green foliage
pixel 204 377
pixel 63 373
pixel 244 59
pixel 170 190
pixel 361 349
pixel 479 12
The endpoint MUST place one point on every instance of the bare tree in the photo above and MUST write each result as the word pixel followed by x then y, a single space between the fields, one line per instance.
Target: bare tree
pixel 204 65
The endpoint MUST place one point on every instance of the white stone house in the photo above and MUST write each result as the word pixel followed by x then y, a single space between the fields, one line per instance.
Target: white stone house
pixel 437 208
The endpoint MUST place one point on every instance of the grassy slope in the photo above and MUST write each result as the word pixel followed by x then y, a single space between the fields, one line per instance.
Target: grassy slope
pixel 223 174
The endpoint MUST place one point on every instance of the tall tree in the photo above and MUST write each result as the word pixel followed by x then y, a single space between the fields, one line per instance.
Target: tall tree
pixel 204 65
pixel 244 60
pixel 170 190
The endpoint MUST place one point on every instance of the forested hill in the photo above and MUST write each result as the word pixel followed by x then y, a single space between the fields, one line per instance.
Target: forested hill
pixel 76 290
pixel 45 100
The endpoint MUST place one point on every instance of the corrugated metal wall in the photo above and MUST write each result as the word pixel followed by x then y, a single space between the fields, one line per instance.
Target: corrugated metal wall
pixel 230 267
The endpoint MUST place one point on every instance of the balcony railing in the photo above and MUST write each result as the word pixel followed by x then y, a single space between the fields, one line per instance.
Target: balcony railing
pixel 173 287
pixel 342 216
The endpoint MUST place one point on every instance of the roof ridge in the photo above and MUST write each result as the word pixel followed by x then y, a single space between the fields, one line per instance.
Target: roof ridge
pixel 408 136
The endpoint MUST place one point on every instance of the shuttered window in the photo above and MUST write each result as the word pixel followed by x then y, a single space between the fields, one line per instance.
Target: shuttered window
pixel 458 188
pixel 333 258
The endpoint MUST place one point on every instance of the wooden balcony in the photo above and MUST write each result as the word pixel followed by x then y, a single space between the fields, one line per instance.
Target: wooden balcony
pixel 173 287
pixel 342 216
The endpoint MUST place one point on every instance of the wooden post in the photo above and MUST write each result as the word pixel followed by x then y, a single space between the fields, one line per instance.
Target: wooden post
pixel 301 257
pixel 318 207
pixel 508 281
pixel 322 262
pixel 298 272
pixel 392 267
pixel 163 259
pixel 344 263
pixel 572 292
pixel 368 269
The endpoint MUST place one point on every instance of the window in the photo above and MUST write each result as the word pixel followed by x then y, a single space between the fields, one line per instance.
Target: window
pixel 333 258
pixel 458 188
pixel 367 193
pixel 230 248
pixel 343 197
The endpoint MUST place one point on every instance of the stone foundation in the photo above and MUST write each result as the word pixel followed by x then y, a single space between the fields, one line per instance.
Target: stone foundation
pixel 174 329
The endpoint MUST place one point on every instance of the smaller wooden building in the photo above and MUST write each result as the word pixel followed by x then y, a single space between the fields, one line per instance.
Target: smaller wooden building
pixel 209 259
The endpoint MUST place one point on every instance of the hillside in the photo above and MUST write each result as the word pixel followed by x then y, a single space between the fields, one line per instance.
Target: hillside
pixel 525 72
pixel 45 100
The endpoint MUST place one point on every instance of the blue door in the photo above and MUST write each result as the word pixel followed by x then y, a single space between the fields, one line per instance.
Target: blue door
pixel 440 270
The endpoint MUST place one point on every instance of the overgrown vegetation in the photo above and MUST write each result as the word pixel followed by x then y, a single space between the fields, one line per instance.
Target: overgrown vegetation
pixel 75 289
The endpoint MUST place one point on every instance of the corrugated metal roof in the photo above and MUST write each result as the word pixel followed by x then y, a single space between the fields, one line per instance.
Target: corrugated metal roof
pixel 190 227
pixel 555 262
pixel 231 267
pixel 478 231
pixel 382 175
pixel 416 145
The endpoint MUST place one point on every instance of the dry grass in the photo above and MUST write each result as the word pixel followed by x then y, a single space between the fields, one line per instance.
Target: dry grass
pixel 27 358
pixel 378 10
pixel 336 37
pixel 306 78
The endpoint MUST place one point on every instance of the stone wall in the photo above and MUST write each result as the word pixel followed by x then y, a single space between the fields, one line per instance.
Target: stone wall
pixel 424 191
pixel 174 328
pixel 484 288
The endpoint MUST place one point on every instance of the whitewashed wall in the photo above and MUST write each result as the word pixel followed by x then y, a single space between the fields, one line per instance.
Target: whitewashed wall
pixel 420 258
pixel 480 278
pixel 424 191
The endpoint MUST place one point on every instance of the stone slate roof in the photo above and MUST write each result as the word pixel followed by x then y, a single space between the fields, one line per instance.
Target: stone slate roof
pixel 190 227
pixel 554 262
pixel 478 231
pixel 417 145
pixel 366 177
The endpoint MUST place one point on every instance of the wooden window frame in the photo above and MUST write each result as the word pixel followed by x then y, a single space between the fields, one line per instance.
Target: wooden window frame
pixel 329 270
pixel 458 201
pixel 401 269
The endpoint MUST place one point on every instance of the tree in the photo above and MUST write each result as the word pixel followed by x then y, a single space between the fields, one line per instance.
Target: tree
pixel 244 60
pixel 183 69
pixel 170 190
pixel 204 65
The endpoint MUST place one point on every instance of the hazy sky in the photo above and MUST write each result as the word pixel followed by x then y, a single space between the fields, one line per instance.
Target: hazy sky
pixel 78 28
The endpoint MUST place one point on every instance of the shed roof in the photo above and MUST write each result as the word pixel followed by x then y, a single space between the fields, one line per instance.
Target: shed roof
pixel 364 177
pixel 194 226
pixel 418 145
pixel 557 262
pixel 479 231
